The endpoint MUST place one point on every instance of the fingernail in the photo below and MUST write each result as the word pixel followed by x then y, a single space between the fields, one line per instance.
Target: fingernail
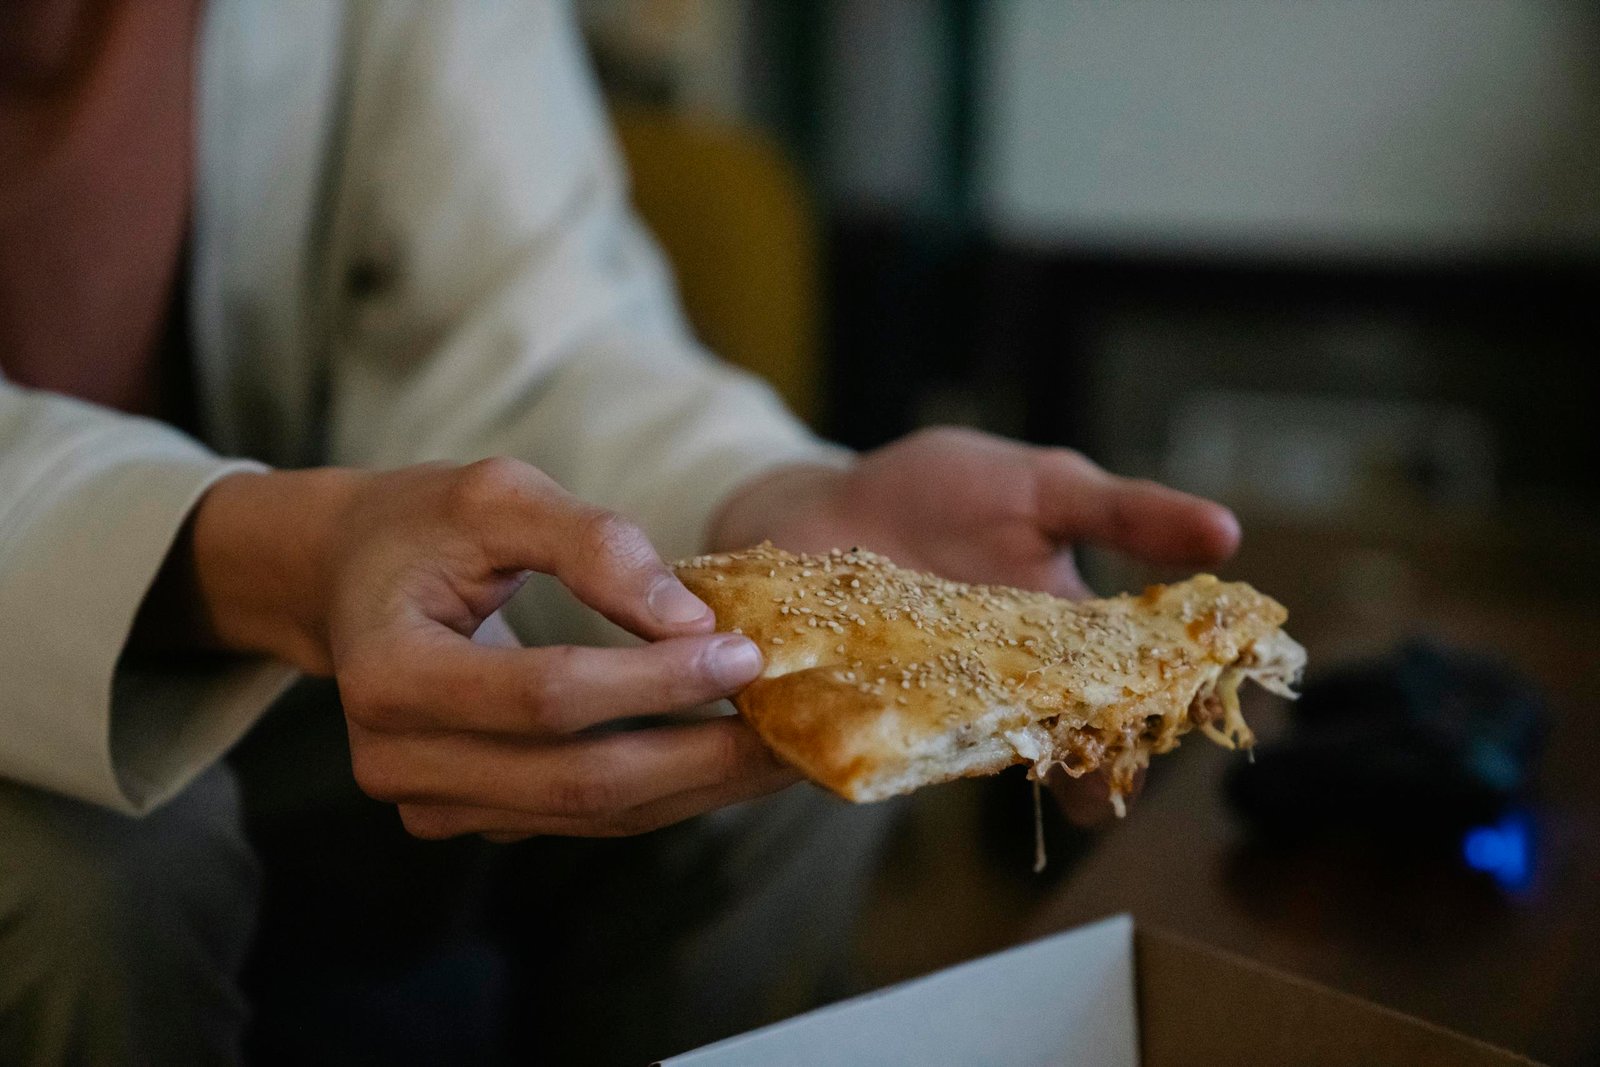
pixel 673 604
pixel 733 661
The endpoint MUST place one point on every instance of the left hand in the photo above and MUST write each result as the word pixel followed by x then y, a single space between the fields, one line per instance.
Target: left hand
pixel 979 508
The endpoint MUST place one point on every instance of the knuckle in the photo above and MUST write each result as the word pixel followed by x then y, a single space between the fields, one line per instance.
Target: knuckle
pixel 585 796
pixel 486 485
pixel 937 433
pixel 609 539
pixel 729 755
pixel 364 692
pixel 374 775
pixel 1121 519
pixel 364 711
pixel 1070 460
pixel 428 824
pixel 961 444
pixel 546 691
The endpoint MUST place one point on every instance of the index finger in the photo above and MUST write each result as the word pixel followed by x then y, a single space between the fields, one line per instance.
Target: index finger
pixel 525 521
pixel 450 683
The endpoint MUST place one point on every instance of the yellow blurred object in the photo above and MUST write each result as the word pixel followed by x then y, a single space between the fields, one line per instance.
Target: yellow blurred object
pixel 734 220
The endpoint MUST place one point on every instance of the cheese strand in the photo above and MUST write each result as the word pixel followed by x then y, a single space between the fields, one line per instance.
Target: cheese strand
pixel 1038 828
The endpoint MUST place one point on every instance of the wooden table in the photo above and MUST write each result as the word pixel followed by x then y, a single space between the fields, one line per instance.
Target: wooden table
pixel 1415 933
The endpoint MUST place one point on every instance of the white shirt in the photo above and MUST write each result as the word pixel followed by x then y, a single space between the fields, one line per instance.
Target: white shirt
pixel 411 242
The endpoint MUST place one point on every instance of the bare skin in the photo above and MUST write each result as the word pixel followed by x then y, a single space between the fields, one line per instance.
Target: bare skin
pixel 382 579
pixel 980 508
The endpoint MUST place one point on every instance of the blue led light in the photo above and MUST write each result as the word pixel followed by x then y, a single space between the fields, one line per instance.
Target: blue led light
pixel 1504 851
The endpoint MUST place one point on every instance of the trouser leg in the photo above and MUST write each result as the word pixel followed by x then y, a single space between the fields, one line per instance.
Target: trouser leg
pixel 622 950
pixel 121 939
pixel 368 947
pixel 633 949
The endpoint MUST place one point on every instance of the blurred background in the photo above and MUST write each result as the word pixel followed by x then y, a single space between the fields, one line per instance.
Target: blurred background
pixel 1333 264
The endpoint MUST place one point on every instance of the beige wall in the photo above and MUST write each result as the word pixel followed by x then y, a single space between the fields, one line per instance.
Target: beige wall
pixel 1375 126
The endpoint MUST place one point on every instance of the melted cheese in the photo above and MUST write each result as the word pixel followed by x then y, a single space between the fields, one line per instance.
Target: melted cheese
pixel 1234 733
pixel 1039 858
pixel 1132 754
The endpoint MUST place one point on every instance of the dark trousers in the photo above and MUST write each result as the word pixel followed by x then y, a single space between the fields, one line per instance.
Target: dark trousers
pixel 299 923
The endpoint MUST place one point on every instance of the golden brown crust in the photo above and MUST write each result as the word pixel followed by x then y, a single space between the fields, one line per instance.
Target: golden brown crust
pixel 879 680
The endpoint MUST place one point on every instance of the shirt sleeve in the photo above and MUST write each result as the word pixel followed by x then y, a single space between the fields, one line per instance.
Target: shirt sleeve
pixel 90 504
pixel 510 302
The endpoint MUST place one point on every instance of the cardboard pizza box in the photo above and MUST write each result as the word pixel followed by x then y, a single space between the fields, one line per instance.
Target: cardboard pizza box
pixel 1105 995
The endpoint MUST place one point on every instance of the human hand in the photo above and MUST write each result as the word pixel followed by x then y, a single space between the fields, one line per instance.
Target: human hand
pixel 979 508
pixel 382 579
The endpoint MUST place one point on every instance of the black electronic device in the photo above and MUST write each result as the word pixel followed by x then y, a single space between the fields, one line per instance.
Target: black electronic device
pixel 1428 745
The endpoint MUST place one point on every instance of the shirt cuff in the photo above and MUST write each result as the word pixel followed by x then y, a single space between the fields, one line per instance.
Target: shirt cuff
pixel 84 545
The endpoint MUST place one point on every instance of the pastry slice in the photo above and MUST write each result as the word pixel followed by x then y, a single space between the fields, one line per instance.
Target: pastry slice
pixel 881 680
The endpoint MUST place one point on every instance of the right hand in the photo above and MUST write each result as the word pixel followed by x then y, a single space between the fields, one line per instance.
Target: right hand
pixel 382 579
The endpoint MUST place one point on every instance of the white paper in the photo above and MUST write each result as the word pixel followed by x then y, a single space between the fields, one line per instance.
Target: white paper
pixel 1068 999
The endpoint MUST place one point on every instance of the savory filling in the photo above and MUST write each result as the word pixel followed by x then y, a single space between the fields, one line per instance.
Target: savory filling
pixel 1121 754
pixel 1222 702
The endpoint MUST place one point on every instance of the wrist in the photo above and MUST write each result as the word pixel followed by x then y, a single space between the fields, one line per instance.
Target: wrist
pixel 262 548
